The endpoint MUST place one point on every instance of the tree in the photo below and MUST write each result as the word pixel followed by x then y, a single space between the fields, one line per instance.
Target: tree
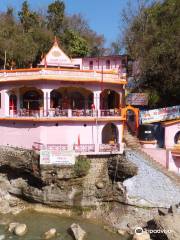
pixel 28 18
pixel 55 16
pixel 76 46
pixel 79 24
pixel 152 38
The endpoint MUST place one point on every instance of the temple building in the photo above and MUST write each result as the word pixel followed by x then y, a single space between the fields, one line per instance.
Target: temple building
pixel 65 102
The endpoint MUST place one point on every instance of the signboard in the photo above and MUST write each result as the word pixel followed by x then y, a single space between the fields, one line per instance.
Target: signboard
pixel 161 114
pixel 49 156
pixel 137 99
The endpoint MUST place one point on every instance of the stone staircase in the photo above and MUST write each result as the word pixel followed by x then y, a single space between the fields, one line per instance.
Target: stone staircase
pixel 132 143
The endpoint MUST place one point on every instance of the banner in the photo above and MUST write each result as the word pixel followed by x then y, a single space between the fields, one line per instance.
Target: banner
pixel 137 99
pixel 161 114
pixel 49 156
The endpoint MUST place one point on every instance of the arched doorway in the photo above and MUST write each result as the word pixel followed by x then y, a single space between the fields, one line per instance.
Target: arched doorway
pixel 32 100
pixel 110 134
pixel 13 103
pixel 177 138
pixel 77 100
pixel 56 99
pixel 109 99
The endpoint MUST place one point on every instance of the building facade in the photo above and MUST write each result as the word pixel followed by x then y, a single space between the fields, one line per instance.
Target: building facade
pixel 59 104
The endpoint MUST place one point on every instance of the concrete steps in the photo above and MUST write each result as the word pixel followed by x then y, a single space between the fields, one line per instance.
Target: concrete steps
pixel 132 143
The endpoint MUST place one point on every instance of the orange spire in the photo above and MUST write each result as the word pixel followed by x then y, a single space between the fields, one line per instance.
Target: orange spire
pixel 55 41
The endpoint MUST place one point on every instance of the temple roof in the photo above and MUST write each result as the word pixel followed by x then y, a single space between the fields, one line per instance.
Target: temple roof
pixel 56 58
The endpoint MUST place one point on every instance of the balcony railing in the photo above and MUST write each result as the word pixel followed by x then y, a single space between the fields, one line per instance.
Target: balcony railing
pixel 110 112
pixel 79 148
pixel 84 147
pixel 70 113
pixel 109 147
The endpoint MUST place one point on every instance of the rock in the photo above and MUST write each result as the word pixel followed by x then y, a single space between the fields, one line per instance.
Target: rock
pixel 2 237
pixel 173 209
pixel 122 232
pixel 4 207
pixel 143 236
pixel 20 230
pixel 162 211
pixel 99 185
pixel 12 226
pixel 77 231
pixel 50 233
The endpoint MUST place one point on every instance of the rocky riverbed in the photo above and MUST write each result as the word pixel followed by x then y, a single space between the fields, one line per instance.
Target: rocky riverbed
pixel 115 191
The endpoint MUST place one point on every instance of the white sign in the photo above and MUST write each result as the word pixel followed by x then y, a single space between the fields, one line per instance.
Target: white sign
pixel 61 158
pixel 137 99
pixel 161 114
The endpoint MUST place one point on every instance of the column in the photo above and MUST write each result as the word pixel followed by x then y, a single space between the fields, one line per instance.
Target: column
pixel 6 103
pixel 97 101
pixel 46 100
pixel 18 100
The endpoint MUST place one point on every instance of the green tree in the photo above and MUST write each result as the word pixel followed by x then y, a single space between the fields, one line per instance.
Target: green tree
pixel 28 18
pixel 55 16
pixel 153 39
pixel 76 46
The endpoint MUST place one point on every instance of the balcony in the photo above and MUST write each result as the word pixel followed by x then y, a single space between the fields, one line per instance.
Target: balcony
pixel 64 113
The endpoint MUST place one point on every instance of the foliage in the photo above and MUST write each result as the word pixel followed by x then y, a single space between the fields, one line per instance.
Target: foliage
pixel 76 45
pixel 29 35
pixel 153 39
pixel 81 166
pixel 56 16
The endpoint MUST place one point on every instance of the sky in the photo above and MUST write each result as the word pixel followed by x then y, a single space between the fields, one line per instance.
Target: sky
pixel 104 16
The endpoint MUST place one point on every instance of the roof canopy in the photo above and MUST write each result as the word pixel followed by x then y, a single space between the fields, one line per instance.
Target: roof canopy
pixel 56 58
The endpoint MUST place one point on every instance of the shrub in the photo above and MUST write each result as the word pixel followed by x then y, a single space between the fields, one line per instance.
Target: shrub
pixel 82 166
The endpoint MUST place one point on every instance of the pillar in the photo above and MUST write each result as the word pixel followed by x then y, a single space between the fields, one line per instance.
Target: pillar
pixel 18 100
pixel 6 103
pixel 46 100
pixel 96 101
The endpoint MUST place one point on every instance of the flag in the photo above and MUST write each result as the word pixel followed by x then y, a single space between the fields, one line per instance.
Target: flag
pixel 79 139
pixel 45 62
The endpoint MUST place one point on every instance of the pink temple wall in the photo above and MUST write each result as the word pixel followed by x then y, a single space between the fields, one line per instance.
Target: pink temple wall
pixel 170 132
pixel 21 134
pixel 98 64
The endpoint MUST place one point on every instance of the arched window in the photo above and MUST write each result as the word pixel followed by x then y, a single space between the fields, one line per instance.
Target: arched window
pixel 110 134
pixel 107 64
pixel 91 65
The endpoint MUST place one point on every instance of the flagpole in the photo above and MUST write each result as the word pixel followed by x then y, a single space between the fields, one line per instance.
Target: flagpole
pixel 4 60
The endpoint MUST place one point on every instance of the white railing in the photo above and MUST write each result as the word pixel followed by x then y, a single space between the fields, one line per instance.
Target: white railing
pixel 80 148
pixel 73 74
pixel 70 113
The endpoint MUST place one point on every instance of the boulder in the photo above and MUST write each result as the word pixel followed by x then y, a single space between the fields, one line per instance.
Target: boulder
pixel 77 231
pixel 20 230
pixel 50 233
pixel 12 226
pixel 143 236
pixel 99 185
pixel 122 232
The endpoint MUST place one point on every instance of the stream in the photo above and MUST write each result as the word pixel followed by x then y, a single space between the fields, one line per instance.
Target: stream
pixel 38 223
